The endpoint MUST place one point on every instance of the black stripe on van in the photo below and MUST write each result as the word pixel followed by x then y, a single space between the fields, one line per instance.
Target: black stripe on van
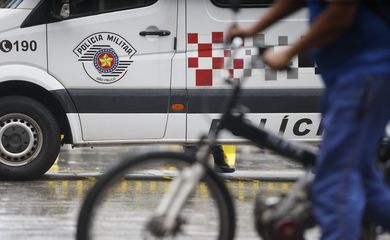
pixel 257 101
pixel 197 101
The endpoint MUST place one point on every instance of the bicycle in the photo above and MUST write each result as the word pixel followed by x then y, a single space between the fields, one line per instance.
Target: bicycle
pixel 286 217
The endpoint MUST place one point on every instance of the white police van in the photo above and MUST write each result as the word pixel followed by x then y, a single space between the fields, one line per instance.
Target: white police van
pixel 104 72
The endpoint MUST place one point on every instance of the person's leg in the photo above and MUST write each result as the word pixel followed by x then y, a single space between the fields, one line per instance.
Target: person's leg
pixel 377 192
pixel 338 192
pixel 378 197
pixel 220 158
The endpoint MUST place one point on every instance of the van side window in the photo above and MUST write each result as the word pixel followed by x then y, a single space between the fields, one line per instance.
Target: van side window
pixel 85 7
pixel 9 3
pixel 78 7
pixel 245 3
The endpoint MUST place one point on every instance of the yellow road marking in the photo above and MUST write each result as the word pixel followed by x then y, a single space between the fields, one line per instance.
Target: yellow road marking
pixel 138 186
pixel 54 168
pixel 65 188
pixel 123 186
pixel 241 191
pixel 203 190
pixel 153 186
pixel 79 188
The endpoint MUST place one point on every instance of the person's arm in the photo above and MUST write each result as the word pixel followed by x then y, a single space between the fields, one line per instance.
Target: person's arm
pixel 331 24
pixel 279 10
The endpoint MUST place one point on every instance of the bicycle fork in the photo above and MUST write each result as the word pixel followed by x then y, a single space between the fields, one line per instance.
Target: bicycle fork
pixel 165 221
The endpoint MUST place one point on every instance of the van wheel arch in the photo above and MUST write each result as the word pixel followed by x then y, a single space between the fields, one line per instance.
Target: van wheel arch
pixel 45 97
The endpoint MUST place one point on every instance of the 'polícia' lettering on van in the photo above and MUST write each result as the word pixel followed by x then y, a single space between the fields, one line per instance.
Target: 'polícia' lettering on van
pixel 89 42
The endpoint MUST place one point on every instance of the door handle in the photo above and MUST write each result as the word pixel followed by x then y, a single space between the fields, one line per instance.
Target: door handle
pixel 160 33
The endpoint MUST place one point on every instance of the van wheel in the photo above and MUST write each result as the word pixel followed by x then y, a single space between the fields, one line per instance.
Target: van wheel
pixel 29 138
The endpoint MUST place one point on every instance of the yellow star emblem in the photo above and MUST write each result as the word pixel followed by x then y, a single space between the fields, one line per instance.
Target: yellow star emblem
pixel 106 61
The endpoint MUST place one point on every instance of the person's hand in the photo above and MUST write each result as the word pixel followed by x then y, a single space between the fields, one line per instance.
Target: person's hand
pixel 277 60
pixel 235 31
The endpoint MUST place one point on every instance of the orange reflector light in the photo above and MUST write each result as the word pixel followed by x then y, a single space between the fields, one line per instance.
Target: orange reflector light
pixel 177 107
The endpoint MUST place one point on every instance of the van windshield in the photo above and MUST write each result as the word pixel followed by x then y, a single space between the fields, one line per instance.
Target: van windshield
pixel 10 3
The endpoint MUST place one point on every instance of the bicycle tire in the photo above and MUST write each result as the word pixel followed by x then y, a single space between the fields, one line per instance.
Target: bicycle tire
pixel 219 192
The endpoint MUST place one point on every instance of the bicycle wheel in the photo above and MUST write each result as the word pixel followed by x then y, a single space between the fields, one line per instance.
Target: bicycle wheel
pixel 123 200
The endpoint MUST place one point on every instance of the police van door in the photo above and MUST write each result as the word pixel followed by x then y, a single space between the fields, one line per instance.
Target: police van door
pixel 114 58
pixel 285 102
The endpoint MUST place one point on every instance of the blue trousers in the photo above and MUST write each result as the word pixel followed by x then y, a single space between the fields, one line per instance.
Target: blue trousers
pixel 348 182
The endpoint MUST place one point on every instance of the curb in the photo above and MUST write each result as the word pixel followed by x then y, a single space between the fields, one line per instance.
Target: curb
pixel 274 175
pixel 242 175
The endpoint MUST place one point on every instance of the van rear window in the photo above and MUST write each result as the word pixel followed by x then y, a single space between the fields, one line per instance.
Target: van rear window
pixel 245 3
pixel 10 3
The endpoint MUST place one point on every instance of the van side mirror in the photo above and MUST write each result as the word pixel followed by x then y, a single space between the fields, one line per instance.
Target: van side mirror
pixel 235 5
pixel 65 10
pixel 60 9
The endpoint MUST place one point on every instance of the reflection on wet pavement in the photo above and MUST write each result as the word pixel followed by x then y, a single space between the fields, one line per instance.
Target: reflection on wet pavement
pixel 48 208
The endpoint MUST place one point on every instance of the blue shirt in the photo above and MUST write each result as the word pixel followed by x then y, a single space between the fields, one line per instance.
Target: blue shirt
pixel 363 48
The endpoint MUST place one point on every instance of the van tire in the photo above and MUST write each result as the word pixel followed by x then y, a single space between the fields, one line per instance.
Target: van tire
pixel 29 138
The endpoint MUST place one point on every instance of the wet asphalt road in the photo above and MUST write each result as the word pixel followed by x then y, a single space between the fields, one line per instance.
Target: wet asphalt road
pixel 48 208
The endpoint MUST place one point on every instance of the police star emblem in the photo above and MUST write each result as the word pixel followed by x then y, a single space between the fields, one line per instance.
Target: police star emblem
pixel 105 56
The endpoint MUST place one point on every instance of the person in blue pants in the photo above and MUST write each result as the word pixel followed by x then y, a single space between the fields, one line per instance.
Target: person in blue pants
pixel 350 42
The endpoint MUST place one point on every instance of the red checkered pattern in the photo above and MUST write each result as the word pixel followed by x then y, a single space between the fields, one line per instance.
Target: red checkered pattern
pixel 208 57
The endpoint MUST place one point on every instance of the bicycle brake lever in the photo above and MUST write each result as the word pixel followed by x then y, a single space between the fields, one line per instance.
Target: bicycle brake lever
pixel 235 42
pixel 263 49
